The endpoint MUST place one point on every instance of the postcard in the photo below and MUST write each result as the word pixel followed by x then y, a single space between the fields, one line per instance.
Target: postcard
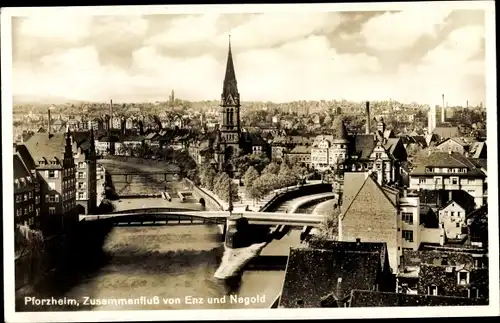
pixel 214 162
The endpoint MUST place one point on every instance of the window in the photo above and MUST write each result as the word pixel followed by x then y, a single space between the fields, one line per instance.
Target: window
pixel 408 235
pixel 445 213
pixel 473 293
pixel 81 195
pixel 47 198
pixel 454 181
pixel 470 181
pixel 81 185
pixel 432 290
pixel 81 175
pixel 52 198
pixel 81 165
pixel 56 198
pixel 25 197
pixel 408 217
pixel 421 180
pixel 52 210
pixel 19 212
pixel 51 174
pixel 463 277
pixel 452 213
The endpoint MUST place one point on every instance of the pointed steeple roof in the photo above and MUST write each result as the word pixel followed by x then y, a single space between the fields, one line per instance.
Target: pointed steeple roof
pixel 230 86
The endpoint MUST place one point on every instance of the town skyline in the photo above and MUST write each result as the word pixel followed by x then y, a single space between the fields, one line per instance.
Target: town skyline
pixel 142 58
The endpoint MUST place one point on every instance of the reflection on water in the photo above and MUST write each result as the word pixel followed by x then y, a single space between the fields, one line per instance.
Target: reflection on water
pixel 166 262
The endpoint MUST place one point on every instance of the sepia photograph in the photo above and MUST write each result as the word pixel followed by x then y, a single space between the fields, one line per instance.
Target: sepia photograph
pixel 169 160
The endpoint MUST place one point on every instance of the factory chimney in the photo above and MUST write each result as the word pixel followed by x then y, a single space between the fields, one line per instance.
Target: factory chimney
pixel 110 113
pixel 467 104
pixel 48 123
pixel 442 110
pixel 368 118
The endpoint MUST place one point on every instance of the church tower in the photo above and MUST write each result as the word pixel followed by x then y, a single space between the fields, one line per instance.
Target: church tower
pixel 230 107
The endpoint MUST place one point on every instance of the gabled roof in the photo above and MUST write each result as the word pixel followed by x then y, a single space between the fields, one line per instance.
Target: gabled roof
pixel 26 157
pixel 463 203
pixel 391 144
pixel 446 132
pixel 312 274
pixel 353 181
pixel 449 160
pixel 363 145
pixel 20 169
pixel 388 193
pixel 42 145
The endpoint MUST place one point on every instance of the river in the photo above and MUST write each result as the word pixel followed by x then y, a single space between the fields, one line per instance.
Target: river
pixel 172 262
pixel 175 263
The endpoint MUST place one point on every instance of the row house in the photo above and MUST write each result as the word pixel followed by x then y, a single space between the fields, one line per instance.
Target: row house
pixel 84 153
pixel 26 194
pixel 300 155
pixel 450 171
pixel 394 216
pixel 452 272
pixel 55 166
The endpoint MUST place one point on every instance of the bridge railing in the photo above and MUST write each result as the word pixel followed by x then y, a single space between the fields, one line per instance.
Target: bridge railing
pixel 151 210
pixel 279 194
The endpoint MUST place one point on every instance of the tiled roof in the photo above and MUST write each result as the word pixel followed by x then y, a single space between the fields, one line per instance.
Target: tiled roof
pixel 353 181
pixel 447 159
pixel 301 150
pixel 312 274
pixel 388 193
pixel 26 157
pixel 253 139
pixel 41 145
pixel 391 144
pixel 370 298
pixel 363 145
pixel 446 132
pixel 20 170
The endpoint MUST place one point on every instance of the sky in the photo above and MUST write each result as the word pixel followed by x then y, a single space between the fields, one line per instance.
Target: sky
pixel 414 55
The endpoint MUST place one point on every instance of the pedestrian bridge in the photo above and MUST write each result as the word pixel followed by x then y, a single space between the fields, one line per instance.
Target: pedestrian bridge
pixel 170 216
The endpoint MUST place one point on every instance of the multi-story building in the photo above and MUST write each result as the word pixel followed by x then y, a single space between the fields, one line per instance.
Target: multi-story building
pixel 55 166
pixel 449 171
pixel 393 217
pixel 30 165
pixel 453 218
pixel 24 193
pixel 300 155
pixel 328 151
pixel 84 154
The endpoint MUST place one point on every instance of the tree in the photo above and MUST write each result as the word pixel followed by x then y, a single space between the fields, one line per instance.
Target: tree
pixel 250 176
pixel 272 168
pixel 207 175
pixel 329 227
pixel 221 187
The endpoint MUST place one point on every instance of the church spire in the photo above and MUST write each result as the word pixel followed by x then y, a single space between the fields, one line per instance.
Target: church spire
pixel 230 85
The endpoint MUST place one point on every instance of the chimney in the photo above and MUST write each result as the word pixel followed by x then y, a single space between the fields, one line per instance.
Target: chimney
pixel 358 240
pixel 450 195
pixel 467 104
pixel 442 110
pixel 368 118
pixel 48 123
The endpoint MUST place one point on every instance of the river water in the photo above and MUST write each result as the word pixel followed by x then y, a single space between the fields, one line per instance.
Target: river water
pixel 171 267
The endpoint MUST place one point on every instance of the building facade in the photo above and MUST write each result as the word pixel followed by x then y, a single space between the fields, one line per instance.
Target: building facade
pixel 26 209
pixel 449 171
pixel 55 166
